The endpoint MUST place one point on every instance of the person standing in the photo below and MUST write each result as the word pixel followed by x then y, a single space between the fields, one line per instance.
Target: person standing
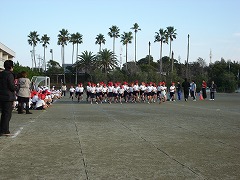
pixel 193 90
pixel 204 87
pixel 172 91
pixel 7 97
pixel 64 89
pixel 213 89
pixel 186 86
pixel 23 93
pixel 179 90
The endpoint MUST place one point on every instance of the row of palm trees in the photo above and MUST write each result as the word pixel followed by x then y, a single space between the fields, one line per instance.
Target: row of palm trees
pixel 64 37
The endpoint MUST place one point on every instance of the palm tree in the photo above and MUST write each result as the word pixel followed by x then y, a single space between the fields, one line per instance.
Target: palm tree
pixel 160 37
pixel 126 38
pixel 79 40
pixel 86 61
pixel 171 34
pixel 136 29
pixel 114 33
pixel 63 38
pixel 72 40
pixel 100 40
pixel 107 60
pixel 45 40
pixel 33 40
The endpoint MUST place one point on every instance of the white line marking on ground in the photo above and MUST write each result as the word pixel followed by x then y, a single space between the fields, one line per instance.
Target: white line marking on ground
pixel 17 133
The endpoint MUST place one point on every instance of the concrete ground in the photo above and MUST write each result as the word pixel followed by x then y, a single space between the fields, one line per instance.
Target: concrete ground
pixel 174 140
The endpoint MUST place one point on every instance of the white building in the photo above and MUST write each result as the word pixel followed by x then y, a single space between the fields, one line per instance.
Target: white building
pixel 5 54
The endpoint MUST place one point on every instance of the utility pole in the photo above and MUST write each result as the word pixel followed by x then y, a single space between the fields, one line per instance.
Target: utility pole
pixel 149 47
pixel 51 51
pixel 210 56
pixel 187 73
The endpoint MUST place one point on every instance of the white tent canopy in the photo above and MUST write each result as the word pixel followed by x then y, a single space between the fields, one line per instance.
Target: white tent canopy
pixel 40 81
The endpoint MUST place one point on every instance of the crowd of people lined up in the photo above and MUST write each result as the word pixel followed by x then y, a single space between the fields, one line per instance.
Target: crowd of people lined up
pixel 137 92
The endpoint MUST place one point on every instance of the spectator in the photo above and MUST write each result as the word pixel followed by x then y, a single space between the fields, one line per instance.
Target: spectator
pixel 7 97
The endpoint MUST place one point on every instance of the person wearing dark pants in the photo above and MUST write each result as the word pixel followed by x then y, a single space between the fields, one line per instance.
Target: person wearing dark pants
pixel 213 89
pixel 7 97
pixel 23 93
pixel 186 86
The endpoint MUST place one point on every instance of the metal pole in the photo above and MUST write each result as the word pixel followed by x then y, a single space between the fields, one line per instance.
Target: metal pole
pixel 149 44
pixel 187 73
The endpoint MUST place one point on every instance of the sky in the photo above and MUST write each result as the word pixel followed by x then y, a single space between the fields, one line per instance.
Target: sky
pixel 213 25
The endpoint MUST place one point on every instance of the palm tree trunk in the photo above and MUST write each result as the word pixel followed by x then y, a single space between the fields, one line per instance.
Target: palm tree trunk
pixel 63 64
pixel 72 53
pixel 135 47
pixel 170 51
pixel 113 45
pixel 160 61
pixel 100 47
pixel 126 57
pixel 34 57
pixel 44 57
pixel 76 76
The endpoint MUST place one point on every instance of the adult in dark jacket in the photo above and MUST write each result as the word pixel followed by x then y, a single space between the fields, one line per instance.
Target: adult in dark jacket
pixel 186 86
pixel 7 96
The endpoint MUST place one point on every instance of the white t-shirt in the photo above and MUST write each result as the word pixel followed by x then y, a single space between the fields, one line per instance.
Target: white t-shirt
pixel 104 89
pixel 71 89
pixel 135 88
pixel 35 98
pixel 172 88
pixel 40 103
pixel 110 89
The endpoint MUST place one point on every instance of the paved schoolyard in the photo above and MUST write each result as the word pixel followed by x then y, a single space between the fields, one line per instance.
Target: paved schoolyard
pixel 174 140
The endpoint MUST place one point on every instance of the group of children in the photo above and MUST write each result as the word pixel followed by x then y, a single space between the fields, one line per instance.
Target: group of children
pixel 124 92
pixel 42 98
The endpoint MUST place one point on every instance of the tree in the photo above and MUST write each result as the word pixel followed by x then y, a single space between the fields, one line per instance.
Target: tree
pixel 161 36
pixel 86 61
pixel 100 40
pixel 171 34
pixel 63 38
pixel 33 40
pixel 126 38
pixel 114 33
pixel 72 40
pixel 107 60
pixel 136 29
pixel 45 40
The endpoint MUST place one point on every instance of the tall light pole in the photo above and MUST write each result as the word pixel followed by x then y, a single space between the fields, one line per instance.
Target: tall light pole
pixel 51 51
pixel 187 73
pixel 149 47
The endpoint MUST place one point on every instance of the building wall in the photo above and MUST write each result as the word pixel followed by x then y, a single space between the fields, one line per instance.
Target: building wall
pixel 5 54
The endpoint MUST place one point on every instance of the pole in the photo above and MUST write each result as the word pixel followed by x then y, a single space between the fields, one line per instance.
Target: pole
pixel 187 73
pixel 149 44
pixel 51 51
pixel 172 67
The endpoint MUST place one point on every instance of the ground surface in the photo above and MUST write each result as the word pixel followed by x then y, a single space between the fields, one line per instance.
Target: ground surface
pixel 174 140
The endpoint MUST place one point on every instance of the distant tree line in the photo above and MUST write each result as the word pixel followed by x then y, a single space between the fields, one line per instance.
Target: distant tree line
pixel 105 65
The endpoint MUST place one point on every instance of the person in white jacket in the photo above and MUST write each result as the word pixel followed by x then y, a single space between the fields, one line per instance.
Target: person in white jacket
pixel 23 93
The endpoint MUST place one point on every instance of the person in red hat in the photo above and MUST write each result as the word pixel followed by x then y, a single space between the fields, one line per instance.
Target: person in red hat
pixel 142 89
pixel 136 92
pixel 172 90
pixel 110 92
pixel 164 92
pixel 88 90
pixel 79 92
